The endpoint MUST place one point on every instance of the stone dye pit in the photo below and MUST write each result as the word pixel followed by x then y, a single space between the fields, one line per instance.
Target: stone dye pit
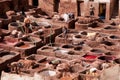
pixel 59 40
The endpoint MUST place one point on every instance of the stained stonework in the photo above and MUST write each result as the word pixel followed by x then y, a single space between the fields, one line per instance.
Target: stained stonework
pixel 110 8
pixel 67 6
pixel 4 6
pixel 47 6
pixel 17 5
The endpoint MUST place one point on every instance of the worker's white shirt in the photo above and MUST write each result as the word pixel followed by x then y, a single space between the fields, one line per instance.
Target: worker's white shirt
pixel 65 17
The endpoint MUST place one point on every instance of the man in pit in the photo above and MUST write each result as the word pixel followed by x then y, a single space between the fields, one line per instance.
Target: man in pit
pixel 65 31
pixel 27 25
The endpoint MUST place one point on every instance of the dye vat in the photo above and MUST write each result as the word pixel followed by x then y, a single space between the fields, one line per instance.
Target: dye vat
pixel 32 40
pixel 83 33
pixel 97 51
pixel 106 58
pixel 25 49
pixel 46 50
pixel 78 48
pixel 9 41
pixel 35 26
pixel 24 46
pixel 117 60
pixel 109 29
pixel 38 58
pixel 108 43
pixel 89 58
pixel 78 36
pixel 15 26
pixel 8 57
pixel 115 38
pixel 67 46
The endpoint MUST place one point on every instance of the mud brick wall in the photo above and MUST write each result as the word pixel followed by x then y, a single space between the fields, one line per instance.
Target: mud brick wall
pixel 68 6
pixel 4 6
pixel 23 4
pixel 15 5
pixel 47 6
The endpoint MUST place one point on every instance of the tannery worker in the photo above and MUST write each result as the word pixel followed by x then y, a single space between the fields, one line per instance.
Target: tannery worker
pixel 92 10
pixel 27 25
pixel 64 30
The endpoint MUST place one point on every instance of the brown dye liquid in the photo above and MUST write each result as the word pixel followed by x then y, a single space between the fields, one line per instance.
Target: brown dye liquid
pixel 25 46
pixel 11 40
pixel 66 78
pixel 44 62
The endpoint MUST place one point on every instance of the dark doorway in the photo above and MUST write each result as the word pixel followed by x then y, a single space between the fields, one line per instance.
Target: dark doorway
pixel 102 10
pixel 56 5
pixel 79 7
pixel 35 2
pixel 115 8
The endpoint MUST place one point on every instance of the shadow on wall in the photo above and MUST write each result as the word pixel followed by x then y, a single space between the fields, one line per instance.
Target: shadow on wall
pixel 56 5
pixel 35 2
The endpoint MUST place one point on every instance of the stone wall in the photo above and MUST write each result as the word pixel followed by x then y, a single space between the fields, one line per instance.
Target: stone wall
pixel 47 6
pixel 68 6
pixel 6 5
pixel 23 4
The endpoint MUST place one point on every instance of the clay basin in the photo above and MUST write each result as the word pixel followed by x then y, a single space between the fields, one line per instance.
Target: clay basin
pixel 31 39
pixel 107 43
pixel 78 36
pixel 24 45
pixel 78 48
pixel 110 28
pixel 34 24
pixel 114 37
pixel 9 41
pixel 109 53
pixel 15 26
pixel 67 46
pixel 84 33
pixel 6 55
pixel 38 58
pixel 47 49
pixel 96 51
pixel 117 60
pixel 106 58
pixel 90 58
